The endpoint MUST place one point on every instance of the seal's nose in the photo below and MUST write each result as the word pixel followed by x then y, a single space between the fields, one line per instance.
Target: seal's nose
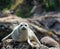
pixel 23 28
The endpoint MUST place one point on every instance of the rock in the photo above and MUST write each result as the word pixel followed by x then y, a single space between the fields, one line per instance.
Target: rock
pixel 10 44
pixel 49 22
pixel 7 47
pixel 54 48
pixel 15 45
pixel 48 41
pixel 1 45
pixel 44 47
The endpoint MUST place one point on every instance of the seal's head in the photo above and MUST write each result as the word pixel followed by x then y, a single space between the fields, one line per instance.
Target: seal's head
pixel 24 26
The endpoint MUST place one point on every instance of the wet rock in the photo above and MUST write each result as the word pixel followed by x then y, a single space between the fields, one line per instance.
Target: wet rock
pixel 54 48
pixel 50 42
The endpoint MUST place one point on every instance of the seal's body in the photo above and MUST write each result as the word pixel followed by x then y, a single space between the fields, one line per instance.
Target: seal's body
pixel 23 33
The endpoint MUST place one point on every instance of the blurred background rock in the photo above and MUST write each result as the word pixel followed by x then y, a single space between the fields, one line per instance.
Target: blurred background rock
pixel 23 7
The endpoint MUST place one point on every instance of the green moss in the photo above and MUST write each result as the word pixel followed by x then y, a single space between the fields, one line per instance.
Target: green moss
pixel 50 5
pixel 5 4
pixel 24 14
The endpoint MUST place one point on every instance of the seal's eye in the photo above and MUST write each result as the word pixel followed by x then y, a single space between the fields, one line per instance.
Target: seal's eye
pixel 21 25
pixel 25 25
